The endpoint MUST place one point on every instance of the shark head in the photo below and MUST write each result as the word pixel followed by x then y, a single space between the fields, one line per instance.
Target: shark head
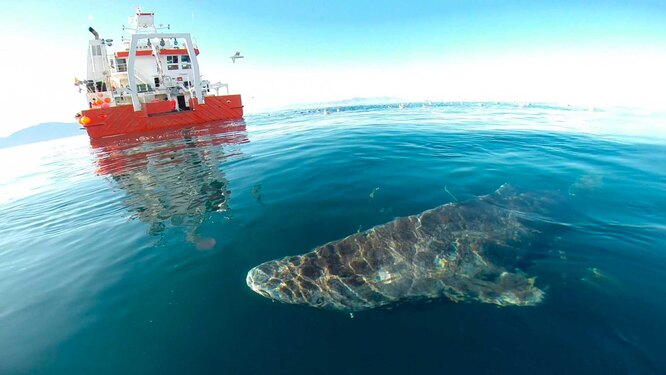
pixel 292 280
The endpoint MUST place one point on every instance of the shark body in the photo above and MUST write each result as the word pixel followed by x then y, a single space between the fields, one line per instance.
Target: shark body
pixel 465 251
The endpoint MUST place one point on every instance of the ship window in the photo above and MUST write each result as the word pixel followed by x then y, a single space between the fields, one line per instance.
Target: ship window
pixel 187 84
pixel 185 59
pixel 172 62
pixel 121 64
pixel 157 82
pixel 96 50
pixel 142 87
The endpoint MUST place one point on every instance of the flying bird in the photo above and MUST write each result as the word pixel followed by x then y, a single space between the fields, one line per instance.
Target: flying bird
pixel 236 56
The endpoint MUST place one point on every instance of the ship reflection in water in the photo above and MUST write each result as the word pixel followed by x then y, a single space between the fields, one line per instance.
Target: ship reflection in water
pixel 172 179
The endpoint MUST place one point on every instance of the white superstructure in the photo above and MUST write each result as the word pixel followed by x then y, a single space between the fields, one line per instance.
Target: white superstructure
pixel 164 64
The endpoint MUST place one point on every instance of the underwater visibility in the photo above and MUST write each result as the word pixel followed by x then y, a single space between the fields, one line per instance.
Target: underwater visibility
pixel 423 238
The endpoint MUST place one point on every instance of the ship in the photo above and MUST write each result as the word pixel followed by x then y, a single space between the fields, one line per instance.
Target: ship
pixel 150 83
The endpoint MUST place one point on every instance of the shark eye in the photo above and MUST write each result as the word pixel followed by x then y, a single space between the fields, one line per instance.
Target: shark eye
pixel 319 301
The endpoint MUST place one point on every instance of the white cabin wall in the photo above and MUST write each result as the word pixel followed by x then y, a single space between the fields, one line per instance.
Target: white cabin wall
pixel 146 69
pixel 97 63
pixel 186 74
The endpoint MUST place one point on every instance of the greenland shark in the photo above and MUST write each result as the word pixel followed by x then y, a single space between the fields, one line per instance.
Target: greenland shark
pixel 467 251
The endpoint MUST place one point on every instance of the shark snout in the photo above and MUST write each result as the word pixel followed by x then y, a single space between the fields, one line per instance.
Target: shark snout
pixel 277 281
pixel 255 279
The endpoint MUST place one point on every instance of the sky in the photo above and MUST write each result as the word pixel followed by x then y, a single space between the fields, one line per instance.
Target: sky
pixel 591 53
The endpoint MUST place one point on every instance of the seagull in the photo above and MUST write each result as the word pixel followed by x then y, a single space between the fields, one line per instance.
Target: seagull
pixel 236 56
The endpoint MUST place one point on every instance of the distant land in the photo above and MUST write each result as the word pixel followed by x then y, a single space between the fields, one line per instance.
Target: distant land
pixel 40 133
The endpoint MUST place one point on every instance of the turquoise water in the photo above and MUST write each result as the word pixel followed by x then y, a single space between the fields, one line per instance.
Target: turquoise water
pixel 130 256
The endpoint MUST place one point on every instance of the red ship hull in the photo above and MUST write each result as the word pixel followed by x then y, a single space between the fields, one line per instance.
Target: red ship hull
pixel 106 122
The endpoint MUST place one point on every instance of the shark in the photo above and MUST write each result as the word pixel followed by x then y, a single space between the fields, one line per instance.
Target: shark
pixel 464 251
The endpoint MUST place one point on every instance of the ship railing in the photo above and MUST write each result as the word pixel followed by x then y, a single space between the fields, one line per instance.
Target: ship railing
pixel 217 86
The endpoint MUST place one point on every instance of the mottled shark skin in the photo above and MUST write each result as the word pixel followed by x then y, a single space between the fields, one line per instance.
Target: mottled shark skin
pixel 464 251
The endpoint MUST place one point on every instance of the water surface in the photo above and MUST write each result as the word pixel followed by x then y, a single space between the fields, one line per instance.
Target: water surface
pixel 130 255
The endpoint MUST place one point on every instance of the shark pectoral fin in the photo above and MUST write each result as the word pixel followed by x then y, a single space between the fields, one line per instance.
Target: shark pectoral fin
pixel 505 289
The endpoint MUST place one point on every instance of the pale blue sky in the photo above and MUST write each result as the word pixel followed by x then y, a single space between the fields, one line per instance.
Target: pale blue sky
pixel 367 31
pixel 290 44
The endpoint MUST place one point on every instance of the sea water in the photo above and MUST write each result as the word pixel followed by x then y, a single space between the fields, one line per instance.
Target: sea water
pixel 129 255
